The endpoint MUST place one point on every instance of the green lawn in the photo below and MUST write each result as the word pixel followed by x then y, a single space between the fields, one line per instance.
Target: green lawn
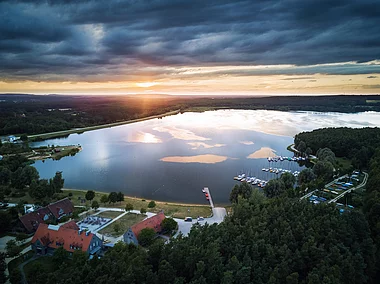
pixel 124 223
pixel 170 209
pixel 109 214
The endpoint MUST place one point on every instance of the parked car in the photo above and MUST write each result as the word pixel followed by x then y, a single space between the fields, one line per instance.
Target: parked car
pixel 201 219
pixel 188 219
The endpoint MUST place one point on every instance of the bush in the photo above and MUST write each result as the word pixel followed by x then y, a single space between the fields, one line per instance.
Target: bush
pixel 142 210
pixel 12 248
pixel 152 204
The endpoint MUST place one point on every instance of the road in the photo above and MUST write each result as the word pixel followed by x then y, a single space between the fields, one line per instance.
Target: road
pixel 351 189
pixel 218 214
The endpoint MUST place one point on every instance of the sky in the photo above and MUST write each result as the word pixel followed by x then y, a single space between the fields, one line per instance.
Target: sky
pixel 191 47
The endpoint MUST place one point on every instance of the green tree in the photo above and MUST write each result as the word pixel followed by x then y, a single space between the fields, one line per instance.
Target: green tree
pixel 57 182
pixel 325 154
pixel 16 180
pixel 21 236
pixel 5 175
pixel 168 225
pixel 90 194
pixel 128 207
pixel 5 221
pixel 60 256
pixel 112 197
pixel 12 248
pixel 274 187
pixel 120 196
pixel 323 170
pixel 244 190
pixel 95 205
pixel 142 210
pixel 301 146
pixel 40 190
pixel 3 267
pixel 306 176
pixel 308 151
pixel 288 180
pixel 152 204
pixel 28 174
pixel 146 236
pixel 104 199
pixel 166 272
pixel 14 276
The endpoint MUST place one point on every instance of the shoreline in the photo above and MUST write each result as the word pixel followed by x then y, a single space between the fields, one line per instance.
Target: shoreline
pixel 140 198
pixel 50 135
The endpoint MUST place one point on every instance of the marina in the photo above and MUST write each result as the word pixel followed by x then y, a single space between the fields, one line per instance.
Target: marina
pixel 243 177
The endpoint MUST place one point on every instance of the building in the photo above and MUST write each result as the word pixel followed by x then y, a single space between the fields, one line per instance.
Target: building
pixel 133 232
pixel 61 208
pixel 49 237
pixel 51 213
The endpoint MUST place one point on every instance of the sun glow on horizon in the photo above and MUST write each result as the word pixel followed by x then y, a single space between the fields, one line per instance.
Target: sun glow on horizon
pixel 146 84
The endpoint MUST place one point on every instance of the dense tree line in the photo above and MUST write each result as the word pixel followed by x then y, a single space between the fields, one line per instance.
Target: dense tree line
pixel 371 205
pixel 362 147
pixel 264 241
pixel 40 114
pixel 357 145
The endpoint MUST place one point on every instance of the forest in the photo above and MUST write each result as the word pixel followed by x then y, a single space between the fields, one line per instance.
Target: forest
pixel 358 145
pixel 265 240
pixel 36 114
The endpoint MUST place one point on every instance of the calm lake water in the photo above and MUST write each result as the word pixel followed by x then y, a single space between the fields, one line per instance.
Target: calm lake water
pixel 173 158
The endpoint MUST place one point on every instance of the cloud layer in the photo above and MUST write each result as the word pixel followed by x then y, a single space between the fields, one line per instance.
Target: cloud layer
pixel 114 41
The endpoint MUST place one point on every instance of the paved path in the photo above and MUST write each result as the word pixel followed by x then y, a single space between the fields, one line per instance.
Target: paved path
pixel 351 189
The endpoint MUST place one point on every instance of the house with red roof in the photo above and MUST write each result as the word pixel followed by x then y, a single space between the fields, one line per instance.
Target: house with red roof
pixel 50 237
pixel 50 213
pixel 153 222
pixel 61 208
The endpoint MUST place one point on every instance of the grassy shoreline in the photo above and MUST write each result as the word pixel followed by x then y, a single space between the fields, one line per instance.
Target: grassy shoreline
pixel 44 136
pixel 177 210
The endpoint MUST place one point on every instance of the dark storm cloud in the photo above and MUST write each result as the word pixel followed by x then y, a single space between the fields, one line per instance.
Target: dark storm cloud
pixel 43 38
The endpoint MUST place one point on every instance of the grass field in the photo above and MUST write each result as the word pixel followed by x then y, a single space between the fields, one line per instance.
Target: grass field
pixel 123 223
pixel 170 209
pixel 109 214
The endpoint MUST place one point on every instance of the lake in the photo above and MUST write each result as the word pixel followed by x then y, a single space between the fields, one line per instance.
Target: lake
pixel 173 158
